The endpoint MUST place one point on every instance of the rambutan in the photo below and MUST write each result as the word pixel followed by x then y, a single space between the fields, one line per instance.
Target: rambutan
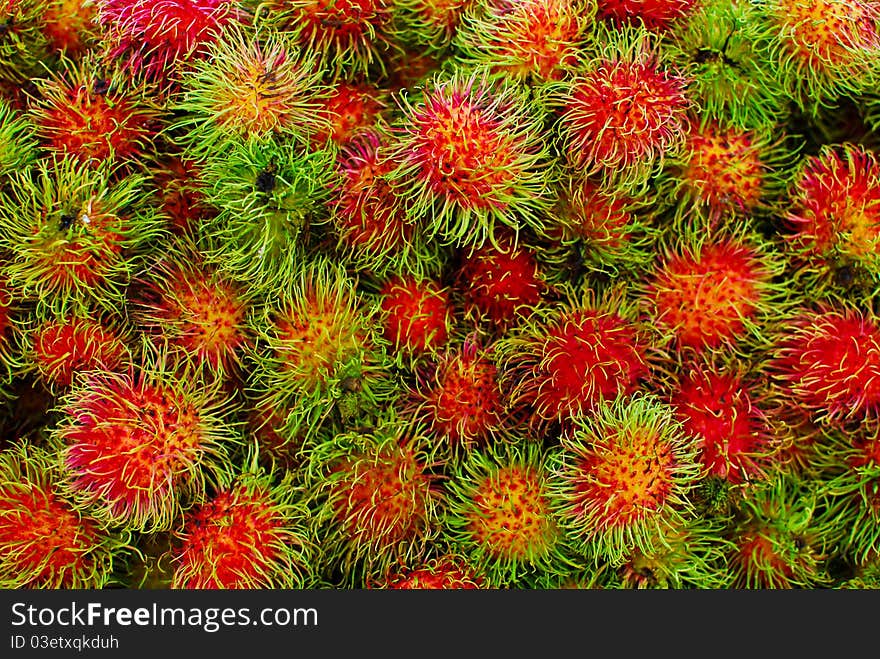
pixel 458 398
pixel 74 234
pixel 94 115
pixel 657 15
pixel 370 220
pixel 376 499
pixel 180 194
pixel 570 357
pixel 23 44
pixel 18 143
pixel 499 283
pixel 44 542
pixel 624 112
pixel 140 446
pixel 468 154
pixel 251 533
pixel 320 356
pixel 251 85
pixel 711 291
pixel 157 39
pixel 622 479
pixel 827 360
pixel 447 571
pixel 71 27
pixel 417 315
pixel 499 515
pixel 777 542
pixel 190 306
pixel 834 221
pixel 352 108
pixel 429 24
pixel 822 49
pixel 530 41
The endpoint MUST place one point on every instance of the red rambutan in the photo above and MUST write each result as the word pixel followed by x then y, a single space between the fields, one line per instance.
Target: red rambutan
pixel 444 572
pixel 417 314
pixel 659 15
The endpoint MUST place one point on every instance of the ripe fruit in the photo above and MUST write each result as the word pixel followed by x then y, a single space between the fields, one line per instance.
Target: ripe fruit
pixel 445 572
pixel 417 315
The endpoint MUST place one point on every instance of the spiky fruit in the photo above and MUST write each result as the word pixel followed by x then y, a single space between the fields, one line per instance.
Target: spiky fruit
pixel 351 36
pixel 777 542
pixel 499 283
pixel 70 27
pixel 723 48
pixel 6 332
pixel 622 480
pixel 499 515
pixel 823 49
pixel 718 406
pixel 370 220
pixel 848 461
pixel 268 195
pixel 74 233
pixel 199 314
pixel 834 220
pixel 625 111
pixel 468 155
pixel 459 400
pixel 140 446
pixel 94 115
pixel 60 349
pixel 429 24
pixel 571 357
pixel 376 497
pixel 659 15
pixel 181 195
pixel 712 291
pixel 535 40
pixel 44 542
pixel 320 357
pixel 250 85
pixel 23 44
pixel 251 533
pixel 156 39
pixel 417 315
pixel 352 108
pixel 827 360
pixel 724 172
pixel 18 144
pixel 444 572
pixel 604 229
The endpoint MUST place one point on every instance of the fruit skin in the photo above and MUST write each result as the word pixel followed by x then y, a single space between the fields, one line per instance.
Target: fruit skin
pixel 46 543
pixel 18 143
pixel 571 356
pixel 445 571
pixel 499 516
pixel 252 533
pixel 138 447
pixel 469 157
pixel 656 15
pixel 429 25
pixel 417 316
pixel 622 479
pixel 375 498
pixel 75 234
pixel 252 84
pixel 24 46
pixel 624 111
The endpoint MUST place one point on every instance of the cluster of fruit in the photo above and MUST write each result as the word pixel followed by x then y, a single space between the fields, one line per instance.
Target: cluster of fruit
pixel 439 294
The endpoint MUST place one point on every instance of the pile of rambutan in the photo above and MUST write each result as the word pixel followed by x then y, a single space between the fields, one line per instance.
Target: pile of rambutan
pixel 439 294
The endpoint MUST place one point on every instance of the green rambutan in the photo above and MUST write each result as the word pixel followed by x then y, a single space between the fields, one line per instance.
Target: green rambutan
pixel 75 234
pixel 429 24
pixel 833 221
pixel 530 41
pixel 827 361
pixel 712 290
pixel 622 479
pixel 625 110
pixel 141 445
pixel 252 85
pixel 822 49
pixel 417 315
pixel 267 195
pixel 93 114
pixel 499 515
pixel 568 358
pixel 251 533
pixel 722 46
pixel 777 542
pixel 375 499
pixel 23 43
pixel 18 143
pixel 44 542
pixel 469 154
pixel 319 355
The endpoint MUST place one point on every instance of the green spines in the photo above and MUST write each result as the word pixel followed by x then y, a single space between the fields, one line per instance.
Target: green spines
pixel 18 144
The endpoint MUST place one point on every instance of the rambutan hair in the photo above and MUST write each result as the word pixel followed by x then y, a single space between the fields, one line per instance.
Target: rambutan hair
pixel 44 542
pixel 656 15
pixel 18 142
